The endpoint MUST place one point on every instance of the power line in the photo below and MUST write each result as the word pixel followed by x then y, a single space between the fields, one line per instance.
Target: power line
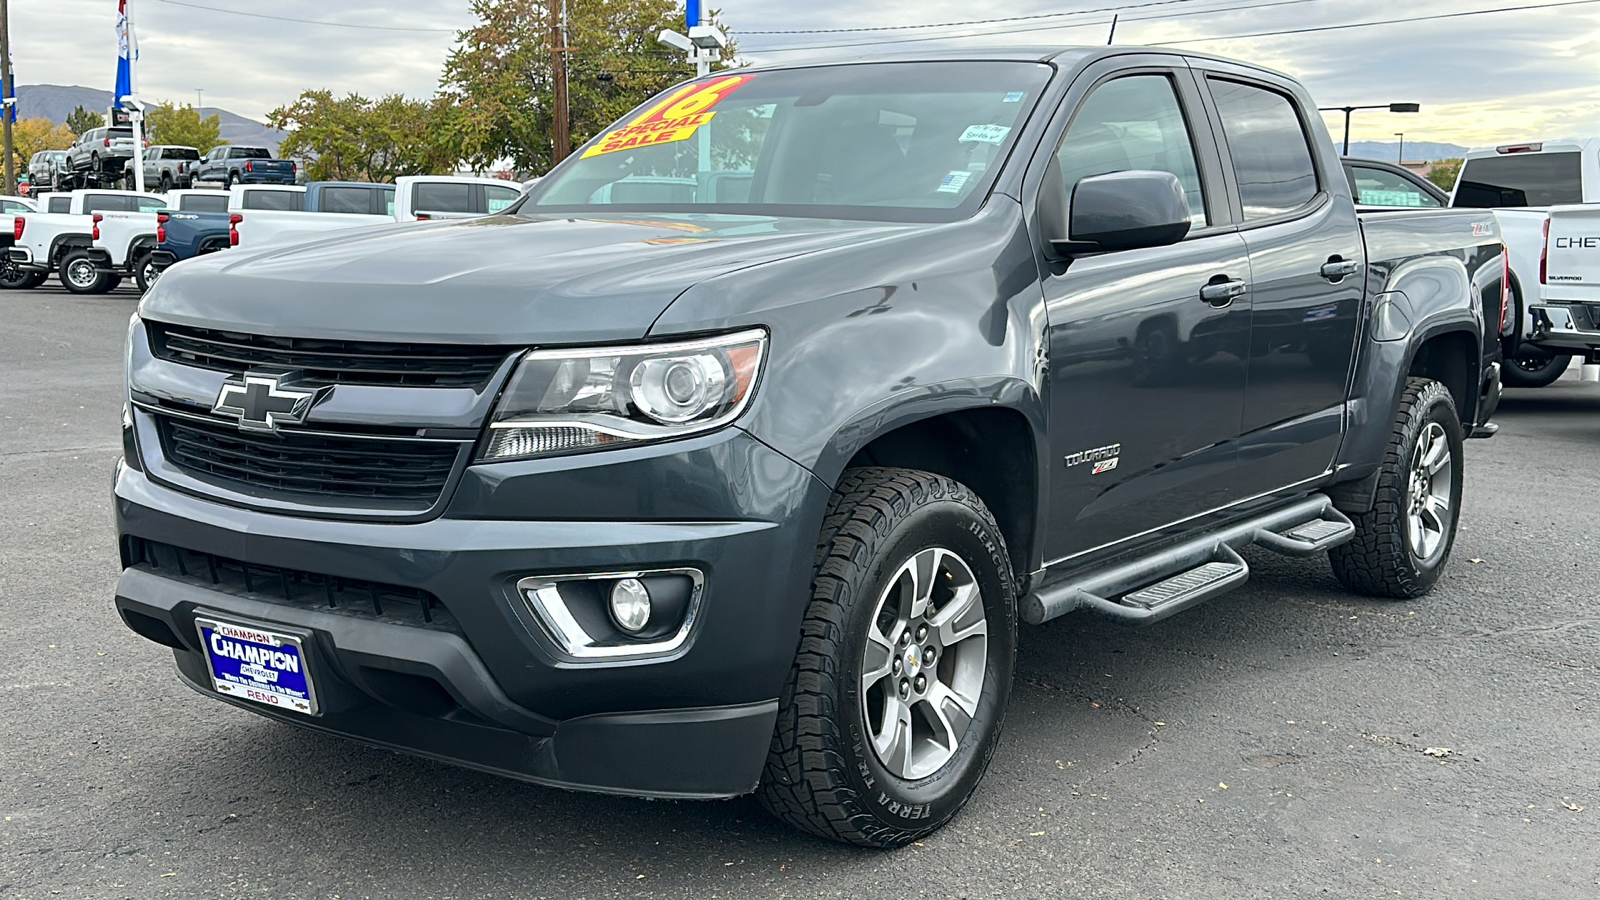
pixel 1057 15
pixel 1208 10
pixel 1454 15
pixel 1286 31
pixel 253 15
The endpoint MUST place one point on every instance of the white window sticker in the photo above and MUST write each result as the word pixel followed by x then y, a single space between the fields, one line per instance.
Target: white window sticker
pixel 1014 97
pixel 988 134
pixel 954 182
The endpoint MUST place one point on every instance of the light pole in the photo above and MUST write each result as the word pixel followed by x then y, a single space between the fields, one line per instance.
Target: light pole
pixel 1400 157
pixel 199 97
pixel 1347 110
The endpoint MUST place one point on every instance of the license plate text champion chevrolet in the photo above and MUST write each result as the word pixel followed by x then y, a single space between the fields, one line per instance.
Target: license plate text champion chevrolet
pixel 731 461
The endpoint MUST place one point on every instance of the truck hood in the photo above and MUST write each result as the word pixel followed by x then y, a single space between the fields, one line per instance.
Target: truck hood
pixel 499 280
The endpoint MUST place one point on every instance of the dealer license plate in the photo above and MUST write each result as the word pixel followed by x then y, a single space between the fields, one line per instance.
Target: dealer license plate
pixel 258 664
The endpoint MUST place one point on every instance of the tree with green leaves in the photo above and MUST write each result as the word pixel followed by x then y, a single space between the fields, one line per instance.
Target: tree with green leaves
pixel 29 136
pixel 81 120
pixel 183 126
pixel 352 138
pixel 499 77
pixel 1443 173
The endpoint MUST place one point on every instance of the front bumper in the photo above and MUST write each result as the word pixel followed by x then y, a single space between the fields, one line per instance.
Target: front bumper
pixel 1571 329
pixel 485 685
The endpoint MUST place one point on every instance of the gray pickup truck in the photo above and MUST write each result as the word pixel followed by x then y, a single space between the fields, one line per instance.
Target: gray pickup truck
pixel 747 482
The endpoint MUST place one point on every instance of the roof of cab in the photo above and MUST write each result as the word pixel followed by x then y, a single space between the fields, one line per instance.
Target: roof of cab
pixel 1059 55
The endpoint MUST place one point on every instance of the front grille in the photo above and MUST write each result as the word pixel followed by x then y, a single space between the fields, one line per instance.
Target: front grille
pixel 329 361
pixel 408 473
pixel 391 603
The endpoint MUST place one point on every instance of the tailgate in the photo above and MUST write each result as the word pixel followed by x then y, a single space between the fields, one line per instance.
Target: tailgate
pixel 271 166
pixel 1573 254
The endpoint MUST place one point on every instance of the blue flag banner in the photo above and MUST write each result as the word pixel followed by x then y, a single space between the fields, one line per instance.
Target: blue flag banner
pixel 125 54
pixel 11 92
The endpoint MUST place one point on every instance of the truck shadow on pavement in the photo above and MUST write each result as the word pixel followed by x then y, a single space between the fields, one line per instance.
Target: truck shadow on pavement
pixel 1086 700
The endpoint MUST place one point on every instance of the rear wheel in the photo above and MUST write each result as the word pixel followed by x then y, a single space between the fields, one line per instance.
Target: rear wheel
pixel 895 700
pixel 14 279
pixel 1403 542
pixel 145 272
pixel 81 275
pixel 1532 368
pixel 166 182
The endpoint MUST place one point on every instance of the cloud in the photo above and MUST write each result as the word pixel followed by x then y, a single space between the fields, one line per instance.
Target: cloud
pixel 1480 79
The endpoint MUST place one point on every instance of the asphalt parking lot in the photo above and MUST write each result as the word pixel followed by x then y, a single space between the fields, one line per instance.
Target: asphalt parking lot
pixel 1286 740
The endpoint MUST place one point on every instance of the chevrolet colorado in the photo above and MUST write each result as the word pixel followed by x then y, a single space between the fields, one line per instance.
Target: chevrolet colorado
pixel 732 457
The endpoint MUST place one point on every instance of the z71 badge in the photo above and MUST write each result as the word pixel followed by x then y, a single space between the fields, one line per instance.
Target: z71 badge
pixel 1105 458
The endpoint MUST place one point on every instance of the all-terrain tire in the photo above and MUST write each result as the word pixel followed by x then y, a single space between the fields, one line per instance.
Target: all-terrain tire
pixel 824 772
pixel 1383 559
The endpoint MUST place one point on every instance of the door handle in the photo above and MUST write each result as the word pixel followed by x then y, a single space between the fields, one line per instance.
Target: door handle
pixel 1222 293
pixel 1337 269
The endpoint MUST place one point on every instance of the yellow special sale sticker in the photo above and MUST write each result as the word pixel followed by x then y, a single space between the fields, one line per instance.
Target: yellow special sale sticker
pixel 675 118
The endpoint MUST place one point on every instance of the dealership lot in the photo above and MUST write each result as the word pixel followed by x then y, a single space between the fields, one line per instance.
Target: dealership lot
pixel 1284 740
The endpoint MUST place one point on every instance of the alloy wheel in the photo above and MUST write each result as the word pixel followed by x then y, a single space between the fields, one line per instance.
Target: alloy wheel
pixel 924 665
pixel 1428 500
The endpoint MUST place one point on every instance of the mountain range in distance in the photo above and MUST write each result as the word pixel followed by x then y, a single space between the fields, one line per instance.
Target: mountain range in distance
pixel 55 102
pixel 1416 151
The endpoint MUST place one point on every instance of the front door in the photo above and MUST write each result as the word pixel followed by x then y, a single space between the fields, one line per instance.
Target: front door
pixel 1147 377
pixel 1307 263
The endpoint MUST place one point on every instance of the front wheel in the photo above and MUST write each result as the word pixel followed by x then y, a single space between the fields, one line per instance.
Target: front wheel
pixel 1403 542
pixel 1532 368
pixel 895 700
pixel 80 275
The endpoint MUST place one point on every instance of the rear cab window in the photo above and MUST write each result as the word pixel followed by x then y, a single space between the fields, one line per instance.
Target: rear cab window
pixel 1271 152
pixel 204 203
pixel 250 153
pixel 60 204
pixel 357 200
pixel 1520 179
pixel 443 198
pixel 279 200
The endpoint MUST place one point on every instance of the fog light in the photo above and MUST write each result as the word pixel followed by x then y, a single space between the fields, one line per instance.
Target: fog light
pixel 630 605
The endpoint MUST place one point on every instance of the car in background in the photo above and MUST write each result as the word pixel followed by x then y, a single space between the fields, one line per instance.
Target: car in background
pixel 1377 183
pixel 166 167
pixel 332 206
pixel 124 241
pixel 45 168
pixel 230 165
pixel 99 156
pixel 1520 182
pixel 17 204
pixel 63 242
pixel 1566 319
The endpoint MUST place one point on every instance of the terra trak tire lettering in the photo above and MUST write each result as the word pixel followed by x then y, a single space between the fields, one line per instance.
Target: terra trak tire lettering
pixel 895 701
pixel 1403 542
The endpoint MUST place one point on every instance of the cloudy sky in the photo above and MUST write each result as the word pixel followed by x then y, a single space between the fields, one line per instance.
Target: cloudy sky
pixel 1514 75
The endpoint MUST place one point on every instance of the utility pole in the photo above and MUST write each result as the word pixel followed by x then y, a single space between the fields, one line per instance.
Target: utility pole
pixel 560 123
pixel 199 96
pixel 5 68
pixel 1401 155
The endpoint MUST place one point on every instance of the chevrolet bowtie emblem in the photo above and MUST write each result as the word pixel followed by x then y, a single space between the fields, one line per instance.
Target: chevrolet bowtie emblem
pixel 264 402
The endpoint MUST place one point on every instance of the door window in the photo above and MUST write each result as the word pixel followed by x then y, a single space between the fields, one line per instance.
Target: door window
pixel 1132 123
pixel 1377 187
pixel 498 198
pixel 1271 152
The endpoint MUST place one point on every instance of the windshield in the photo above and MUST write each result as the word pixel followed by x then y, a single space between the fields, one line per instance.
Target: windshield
pixel 1533 179
pixel 892 141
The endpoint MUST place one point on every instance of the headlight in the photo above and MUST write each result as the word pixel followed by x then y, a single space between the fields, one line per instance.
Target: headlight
pixel 560 401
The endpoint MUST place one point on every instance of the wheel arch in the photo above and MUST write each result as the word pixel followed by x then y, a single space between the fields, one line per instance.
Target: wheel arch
pixel 994 450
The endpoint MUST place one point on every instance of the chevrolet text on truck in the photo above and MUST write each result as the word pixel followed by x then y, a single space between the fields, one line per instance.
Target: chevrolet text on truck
pixel 748 486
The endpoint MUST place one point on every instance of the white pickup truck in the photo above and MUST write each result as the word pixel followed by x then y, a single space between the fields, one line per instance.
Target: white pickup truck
pixel 1521 182
pixel 63 242
pixel 331 206
pixel 1566 321
pixel 123 241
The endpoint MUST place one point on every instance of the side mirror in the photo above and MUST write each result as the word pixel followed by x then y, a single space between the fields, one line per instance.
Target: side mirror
pixel 1125 211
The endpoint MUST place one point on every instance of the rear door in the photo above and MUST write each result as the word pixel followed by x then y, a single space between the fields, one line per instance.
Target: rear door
pixel 1307 263
pixel 1147 378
